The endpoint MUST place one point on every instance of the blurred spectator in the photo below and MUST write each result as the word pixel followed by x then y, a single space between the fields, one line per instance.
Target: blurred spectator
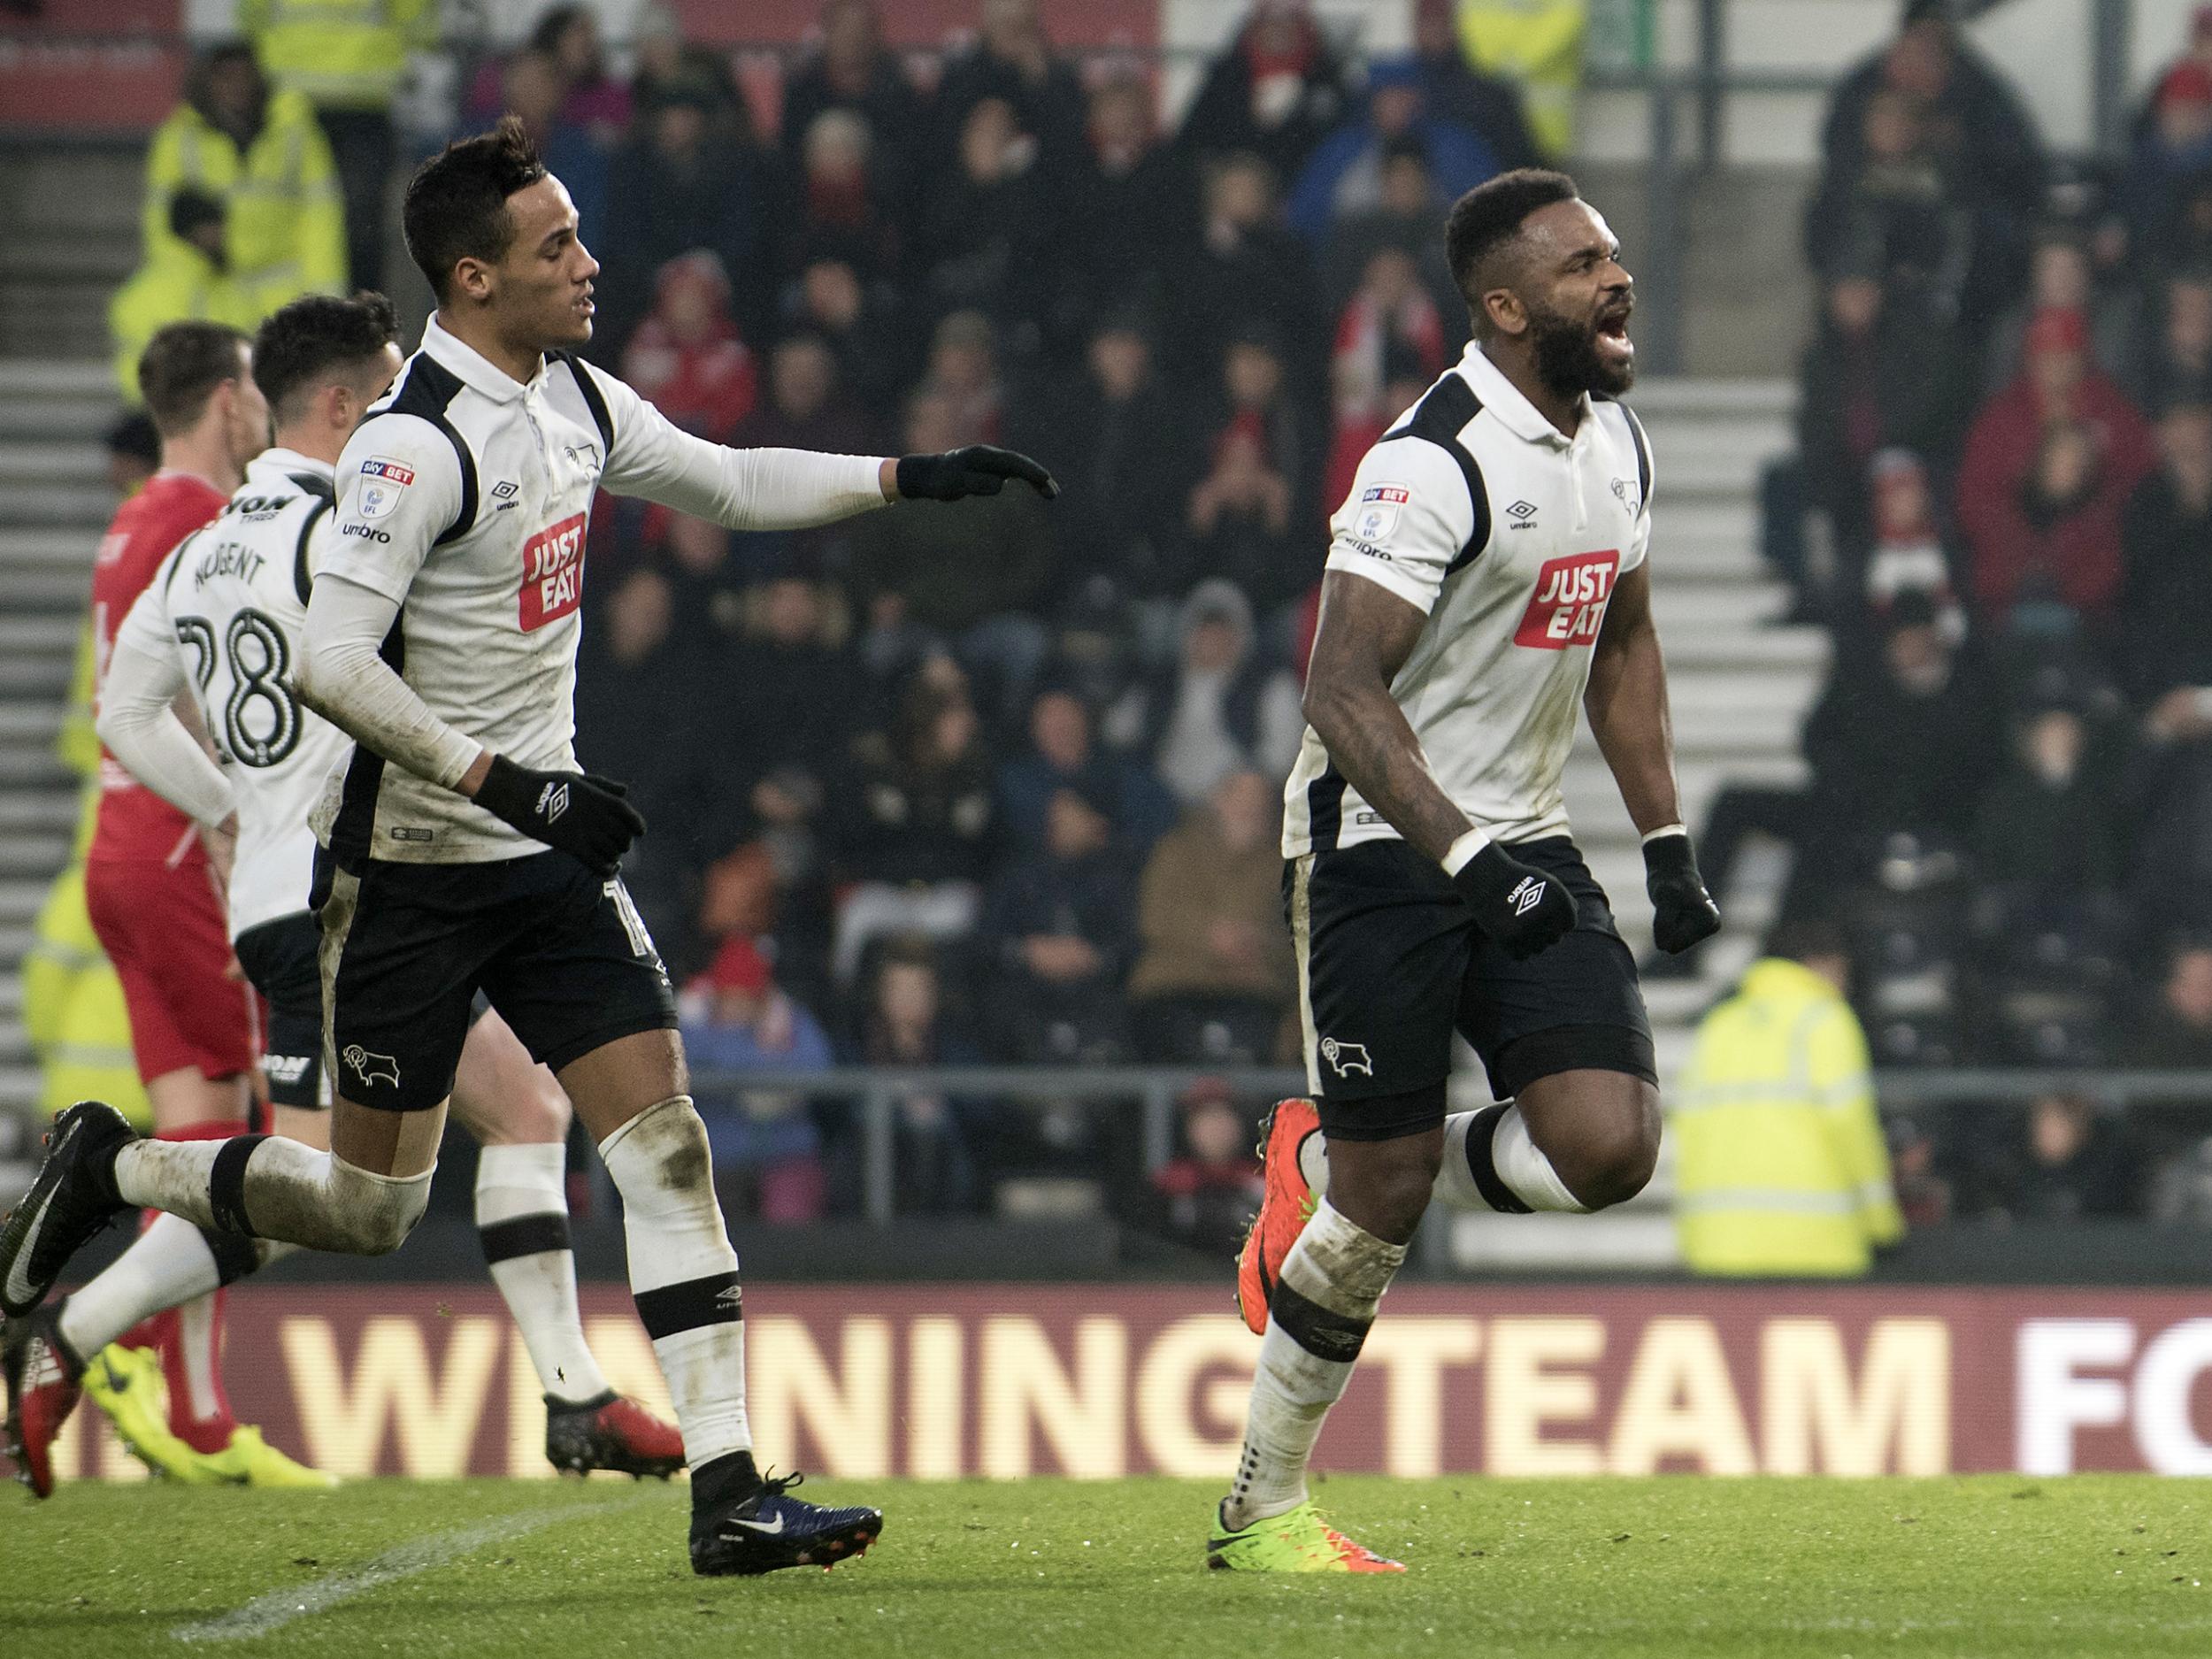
pixel 665 60
pixel 2062 276
pixel 2048 834
pixel 586 97
pixel 1896 205
pixel 675 188
pixel 1248 517
pixel 1537 44
pixel 1390 329
pixel 1245 267
pixel 1219 709
pixel 912 826
pixel 1905 746
pixel 853 71
pixel 1276 90
pixel 805 408
pixel 986 229
pixel 709 582
pixel 1011 62
pixel 1780 1168
pixel 1058 924
pixel 962 370
pixel 2174 1032
pixel 1064 755
pixel 2179 367
pixel 963 574
pixel 1214 975
pixel 686 356
pixel 859 320
pixel 841 202
pixel 1115 432
pixel 530 88
pixel 186 278
pixel 1404 218
pixel 634 674
pixel 1907 554
pixel 934 1136
pixel 1883 372
pixel 1129 199
pixel 263 156
pixel 1489 105
pixel 2171 872
pixel 2172 152
pixel 2063 1160
pixel 2049 463
pixel 1343 176
pixel 347 57
pixel 1208 1191
pixel 736 1019
pixel 1986 142
pixel 2166 580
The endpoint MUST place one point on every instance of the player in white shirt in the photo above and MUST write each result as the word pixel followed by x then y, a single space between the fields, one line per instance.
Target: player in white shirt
pixel 1486 576
pixel 222 621
pixel 441 635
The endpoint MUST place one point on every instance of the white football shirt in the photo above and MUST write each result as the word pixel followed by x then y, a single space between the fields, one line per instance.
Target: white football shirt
pixel 1508 536
pixel 229 604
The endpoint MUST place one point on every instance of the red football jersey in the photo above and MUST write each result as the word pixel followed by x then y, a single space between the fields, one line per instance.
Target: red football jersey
pixel 135 821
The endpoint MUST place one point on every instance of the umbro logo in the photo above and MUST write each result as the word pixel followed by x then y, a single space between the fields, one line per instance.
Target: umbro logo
pixel 1347 1057
pixel 504 493
pixel 552 801
pixel 1524 515
pixel 1527 896
pixel 730 1296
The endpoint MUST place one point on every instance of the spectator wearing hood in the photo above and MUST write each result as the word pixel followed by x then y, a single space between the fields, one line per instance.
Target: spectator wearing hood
pixel 686 356
pixel 1219 708
pixel 1343 176
pixel 2050 462
pixel 1274 93
pixel 736 1019
pixel 1215 974
pixel 678 186
pixel 262 154
pixel 1058 928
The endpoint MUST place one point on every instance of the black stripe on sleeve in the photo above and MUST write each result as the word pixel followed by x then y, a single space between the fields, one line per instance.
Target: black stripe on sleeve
pixel 1439 417
pixel 714 1300
pixel 1325 809
pixel 304 579
pixel 595 401
pixel 523 1235
pixel 430 389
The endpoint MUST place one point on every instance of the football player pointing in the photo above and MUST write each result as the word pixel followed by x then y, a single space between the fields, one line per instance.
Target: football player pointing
pixel 1487 574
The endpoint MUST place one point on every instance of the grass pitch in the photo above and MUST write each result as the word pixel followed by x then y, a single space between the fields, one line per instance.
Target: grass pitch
pixel 1054 1570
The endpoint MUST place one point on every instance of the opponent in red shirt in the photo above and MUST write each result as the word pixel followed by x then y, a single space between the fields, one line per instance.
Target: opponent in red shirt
pixel 154 893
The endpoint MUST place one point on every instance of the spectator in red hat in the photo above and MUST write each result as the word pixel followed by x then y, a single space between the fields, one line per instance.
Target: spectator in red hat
pixel 2049 464
pixel 2173 147
pixel 734 1021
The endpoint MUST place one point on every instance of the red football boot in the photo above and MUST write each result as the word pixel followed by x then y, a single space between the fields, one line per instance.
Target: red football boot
pixel 1285 1207
pixel 612 1432
pixel 42 1376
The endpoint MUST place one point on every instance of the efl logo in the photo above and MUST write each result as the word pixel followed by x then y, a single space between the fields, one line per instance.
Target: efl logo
pixel 1570 603
pixel 553 572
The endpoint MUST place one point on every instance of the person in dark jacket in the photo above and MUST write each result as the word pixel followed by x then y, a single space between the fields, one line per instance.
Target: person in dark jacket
pixel 1064 755
pixel 1275 92
pixel 2166 577
pixel 1060 926
pixel 853 71
pixel 1452 87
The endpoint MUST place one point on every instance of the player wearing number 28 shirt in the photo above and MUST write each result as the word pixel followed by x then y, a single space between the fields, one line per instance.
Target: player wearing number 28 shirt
pixel 1487 583
pixel 461 849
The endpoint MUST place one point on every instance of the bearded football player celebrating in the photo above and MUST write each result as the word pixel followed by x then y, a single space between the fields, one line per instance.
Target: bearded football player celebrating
pixel 1486 572
pixel 462 847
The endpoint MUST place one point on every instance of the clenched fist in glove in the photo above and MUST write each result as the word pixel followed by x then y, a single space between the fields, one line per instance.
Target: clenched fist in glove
pixel 979 470
pixel 1682 911
pixel 578 813
pixel 1525 908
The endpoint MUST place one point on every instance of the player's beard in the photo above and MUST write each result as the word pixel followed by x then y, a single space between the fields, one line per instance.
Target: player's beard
pixel 1567 357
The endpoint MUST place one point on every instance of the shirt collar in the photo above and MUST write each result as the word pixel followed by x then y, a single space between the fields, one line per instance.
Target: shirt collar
pixel 1504 399
pixel 276 462
pixel 476 370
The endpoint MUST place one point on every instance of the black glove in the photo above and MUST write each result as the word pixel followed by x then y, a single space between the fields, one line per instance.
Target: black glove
pixel 1520 906
pixel 584 816
pixel 1682 911
pixel 979 470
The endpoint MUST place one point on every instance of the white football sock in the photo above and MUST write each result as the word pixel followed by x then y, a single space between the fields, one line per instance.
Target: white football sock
pixel 1324 1301
pixel 167 1265
pixel 522 1218
pixel 267 1187
pixel 683 1272
pixel 1490 1163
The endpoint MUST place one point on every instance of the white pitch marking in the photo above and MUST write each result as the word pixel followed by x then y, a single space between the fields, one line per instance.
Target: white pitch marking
pixel 280 1607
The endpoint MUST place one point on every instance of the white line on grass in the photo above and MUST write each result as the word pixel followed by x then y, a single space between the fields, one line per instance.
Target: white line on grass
pixel 280 1607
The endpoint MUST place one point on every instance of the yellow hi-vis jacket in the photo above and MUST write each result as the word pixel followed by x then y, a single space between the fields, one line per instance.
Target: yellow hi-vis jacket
pixel 286 227
pixel 1537 43
pixel 1781 1167
pixel 177 283
pixel 339 54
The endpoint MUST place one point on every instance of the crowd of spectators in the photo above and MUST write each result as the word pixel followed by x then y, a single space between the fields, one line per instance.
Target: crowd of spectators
pixel 2002 509
pixel 995 781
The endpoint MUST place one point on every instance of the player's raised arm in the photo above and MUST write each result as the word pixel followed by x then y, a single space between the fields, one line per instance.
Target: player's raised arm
pixel 784 490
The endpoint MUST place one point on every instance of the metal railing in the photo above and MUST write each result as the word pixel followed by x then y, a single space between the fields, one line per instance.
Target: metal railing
pixel 1155 1090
